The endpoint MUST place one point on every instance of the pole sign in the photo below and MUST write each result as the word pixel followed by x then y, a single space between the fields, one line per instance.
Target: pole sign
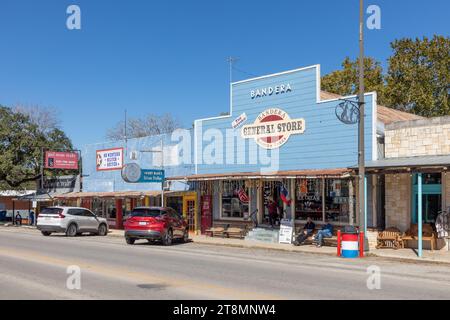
pixel 61 160
pixel 132 173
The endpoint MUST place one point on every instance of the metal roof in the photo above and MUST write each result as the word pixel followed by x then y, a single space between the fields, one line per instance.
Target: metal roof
pixel 409 162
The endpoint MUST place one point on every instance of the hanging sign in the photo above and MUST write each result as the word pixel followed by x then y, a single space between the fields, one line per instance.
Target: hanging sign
pixel 272 128
pixel 109 159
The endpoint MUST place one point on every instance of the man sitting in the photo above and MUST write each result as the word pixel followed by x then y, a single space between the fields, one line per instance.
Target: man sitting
pixel 326 232
pixel 308 230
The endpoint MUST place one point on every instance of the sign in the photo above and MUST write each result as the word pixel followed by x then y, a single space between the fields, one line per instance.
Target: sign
pixel 239 120
pixel 347 112
pixel 285 235
pixel 109 159
pixel 132 173
pixel 61 184
pixel 263 92
pixel 272 128
pixel 61 160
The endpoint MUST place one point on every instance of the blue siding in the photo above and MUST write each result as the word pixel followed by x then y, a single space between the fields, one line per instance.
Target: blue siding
pixel 326 143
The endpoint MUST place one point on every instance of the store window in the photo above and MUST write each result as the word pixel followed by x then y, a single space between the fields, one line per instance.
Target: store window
pixel 97 207
pixel 337 200
pixel 176 203
pixel 235 199
pixel 110 208
pixel 308 199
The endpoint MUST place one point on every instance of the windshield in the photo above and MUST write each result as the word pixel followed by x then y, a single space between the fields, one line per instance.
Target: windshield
pixel 144 212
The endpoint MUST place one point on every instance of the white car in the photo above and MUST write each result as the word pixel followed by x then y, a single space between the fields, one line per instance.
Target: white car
pixel 71 221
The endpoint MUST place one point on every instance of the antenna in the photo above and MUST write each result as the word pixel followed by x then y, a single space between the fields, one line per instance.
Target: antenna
pixel 231 60
pixel 125 132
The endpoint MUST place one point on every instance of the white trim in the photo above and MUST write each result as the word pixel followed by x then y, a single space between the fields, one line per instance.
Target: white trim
pixel 318 84
pixel 275 74
pixel 195 147
pixel 374 126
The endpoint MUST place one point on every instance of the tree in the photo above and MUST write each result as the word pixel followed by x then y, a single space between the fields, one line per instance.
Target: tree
pixel 21 144
pixel 44 117
pixel 149 126
pixel 345 82
pixel 419 76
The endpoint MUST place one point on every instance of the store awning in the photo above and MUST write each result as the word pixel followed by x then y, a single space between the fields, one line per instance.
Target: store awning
pixel 327 173
pixel 116 194
pixel 409 163
pixel 37 196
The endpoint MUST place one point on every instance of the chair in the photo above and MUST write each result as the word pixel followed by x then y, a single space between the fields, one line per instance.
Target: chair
pixel 390 238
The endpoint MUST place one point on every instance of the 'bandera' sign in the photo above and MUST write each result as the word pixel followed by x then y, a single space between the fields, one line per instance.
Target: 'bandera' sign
pixel 272 128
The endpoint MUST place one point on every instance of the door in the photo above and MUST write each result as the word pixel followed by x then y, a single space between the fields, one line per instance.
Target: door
pixel 189 209
pixel 431 198
pixel 91 222
pixel 207 219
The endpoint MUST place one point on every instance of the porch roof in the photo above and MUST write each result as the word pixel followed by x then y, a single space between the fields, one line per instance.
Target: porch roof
pixel 327 173
pixel 410 163
pixel 116 194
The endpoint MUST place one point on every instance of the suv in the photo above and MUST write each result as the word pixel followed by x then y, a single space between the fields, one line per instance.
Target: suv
pixel 71 221
pixel 155 224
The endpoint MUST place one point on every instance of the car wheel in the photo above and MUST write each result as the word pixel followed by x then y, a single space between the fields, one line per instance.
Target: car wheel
pixel 71 230
pixel 186 236
pixel 46 233
pixel 129 240
pixel 102 231
pixel 167 238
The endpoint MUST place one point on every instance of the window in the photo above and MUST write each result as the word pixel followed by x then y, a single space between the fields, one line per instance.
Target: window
pixel 235 199
pixel 76 212
pixel 308 199
pixel 144 212
pixel 337 200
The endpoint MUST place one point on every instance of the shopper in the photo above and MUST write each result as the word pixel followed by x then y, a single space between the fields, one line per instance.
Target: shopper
pixel 273 212
pixel 31 218
pixel 325 232
pixel 307 231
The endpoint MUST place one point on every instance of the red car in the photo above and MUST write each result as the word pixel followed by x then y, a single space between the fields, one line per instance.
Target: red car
pixel 155 224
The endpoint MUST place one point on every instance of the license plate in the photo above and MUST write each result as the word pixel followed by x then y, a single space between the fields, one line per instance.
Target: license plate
pixel 142 223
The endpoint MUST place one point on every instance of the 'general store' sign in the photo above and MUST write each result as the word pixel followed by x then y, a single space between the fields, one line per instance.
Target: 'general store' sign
pixel 272 128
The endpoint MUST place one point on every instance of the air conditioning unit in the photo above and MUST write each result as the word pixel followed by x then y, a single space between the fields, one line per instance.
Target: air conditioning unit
pixel 134 155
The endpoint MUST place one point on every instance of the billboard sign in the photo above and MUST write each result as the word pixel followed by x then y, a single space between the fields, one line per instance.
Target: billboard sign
pixel 109 159
pixel 132 173
pixel 61 160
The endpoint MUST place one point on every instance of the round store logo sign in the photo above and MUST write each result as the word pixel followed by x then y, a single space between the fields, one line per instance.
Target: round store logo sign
pixel 272 128
pixel 131 172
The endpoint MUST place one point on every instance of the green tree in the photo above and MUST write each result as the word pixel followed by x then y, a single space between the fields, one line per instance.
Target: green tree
pixel 345 82
pixel 21 142
pixel 419 76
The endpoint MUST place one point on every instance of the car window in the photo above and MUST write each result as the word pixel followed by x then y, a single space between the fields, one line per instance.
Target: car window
pixel 75 212
pixel 145 212
pixel 87 213
pixel 51 211
pixel 174 214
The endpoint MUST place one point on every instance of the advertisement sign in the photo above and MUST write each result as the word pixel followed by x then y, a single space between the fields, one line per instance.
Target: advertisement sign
pixel 272 128
pixel 286 229
pixel 61 160
pixel 132 173
pixel 109 159
pixel 62 184
pixel 239 120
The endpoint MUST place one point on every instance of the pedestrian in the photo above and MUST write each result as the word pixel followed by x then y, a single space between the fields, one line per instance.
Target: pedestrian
pixel 31 218
pixel 307 231
pixel 325 232
pixel 273 212
pixel 18 218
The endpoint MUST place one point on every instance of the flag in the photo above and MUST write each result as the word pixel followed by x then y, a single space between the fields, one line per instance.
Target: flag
pixel 284 194
pixel 243 197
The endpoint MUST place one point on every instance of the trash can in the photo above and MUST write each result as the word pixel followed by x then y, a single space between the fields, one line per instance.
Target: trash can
pixel 348 243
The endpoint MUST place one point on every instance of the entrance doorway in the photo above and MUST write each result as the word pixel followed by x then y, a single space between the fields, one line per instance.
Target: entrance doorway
pixel 271 191
pixel 189 209
pixel 431 197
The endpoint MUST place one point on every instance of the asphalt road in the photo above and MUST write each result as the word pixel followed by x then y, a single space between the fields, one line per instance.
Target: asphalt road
pixel 35 267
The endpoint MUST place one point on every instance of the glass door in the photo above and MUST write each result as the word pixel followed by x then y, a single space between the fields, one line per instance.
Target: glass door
pixel 431 197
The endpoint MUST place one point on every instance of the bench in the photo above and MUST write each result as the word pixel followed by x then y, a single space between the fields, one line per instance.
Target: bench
pixel 428 234
pixel 330 242
pixel 217 231
pixel 236 232
pixel 390 238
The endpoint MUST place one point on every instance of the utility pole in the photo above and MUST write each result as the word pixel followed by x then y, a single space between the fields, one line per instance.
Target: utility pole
pixel 361 156
pixel 231 61
pixel 162 167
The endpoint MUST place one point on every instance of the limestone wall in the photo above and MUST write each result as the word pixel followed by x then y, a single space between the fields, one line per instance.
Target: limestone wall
pixel 398 201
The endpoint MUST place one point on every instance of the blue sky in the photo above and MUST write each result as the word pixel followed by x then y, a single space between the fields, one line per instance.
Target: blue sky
pixel 170 56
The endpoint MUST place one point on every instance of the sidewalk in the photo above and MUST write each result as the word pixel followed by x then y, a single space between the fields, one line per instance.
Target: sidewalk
pixel 406 255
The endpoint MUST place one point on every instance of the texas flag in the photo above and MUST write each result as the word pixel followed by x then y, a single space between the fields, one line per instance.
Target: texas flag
pixel 284 194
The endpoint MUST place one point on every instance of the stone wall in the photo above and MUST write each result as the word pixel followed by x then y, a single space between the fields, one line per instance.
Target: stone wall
pixel 398 201
pixel 418 138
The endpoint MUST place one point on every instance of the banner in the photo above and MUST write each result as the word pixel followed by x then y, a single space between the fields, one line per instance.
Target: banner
pixel 109 159
pixel 61 160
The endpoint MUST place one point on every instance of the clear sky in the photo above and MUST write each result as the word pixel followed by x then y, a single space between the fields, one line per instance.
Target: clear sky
pixel 170 56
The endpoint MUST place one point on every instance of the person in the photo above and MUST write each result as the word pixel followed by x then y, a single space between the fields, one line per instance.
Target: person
pixel 325 232
pixel 31 218
pixel 308 230
pixel 18 218
pixel 273 212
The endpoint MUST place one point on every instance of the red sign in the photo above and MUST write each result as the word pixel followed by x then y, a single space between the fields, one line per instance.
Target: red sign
pixel 61 160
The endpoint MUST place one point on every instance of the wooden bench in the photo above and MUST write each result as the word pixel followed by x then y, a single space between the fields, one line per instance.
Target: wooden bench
pixel 390 238
pixel 236 232
pixel 217 231
pixel 428 234
pixel 330 242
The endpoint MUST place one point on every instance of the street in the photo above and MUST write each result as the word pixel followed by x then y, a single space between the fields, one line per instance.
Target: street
pixel 35 267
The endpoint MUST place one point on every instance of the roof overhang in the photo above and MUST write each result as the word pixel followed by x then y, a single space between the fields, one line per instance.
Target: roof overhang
pixel 117 194
pixel 409 164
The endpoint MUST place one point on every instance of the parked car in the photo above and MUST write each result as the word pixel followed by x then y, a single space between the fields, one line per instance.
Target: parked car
pixel 155 224
pixel 71 221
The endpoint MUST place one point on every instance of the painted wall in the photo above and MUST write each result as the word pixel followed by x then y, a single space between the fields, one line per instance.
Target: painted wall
pixel 326 142
pixel 109 181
